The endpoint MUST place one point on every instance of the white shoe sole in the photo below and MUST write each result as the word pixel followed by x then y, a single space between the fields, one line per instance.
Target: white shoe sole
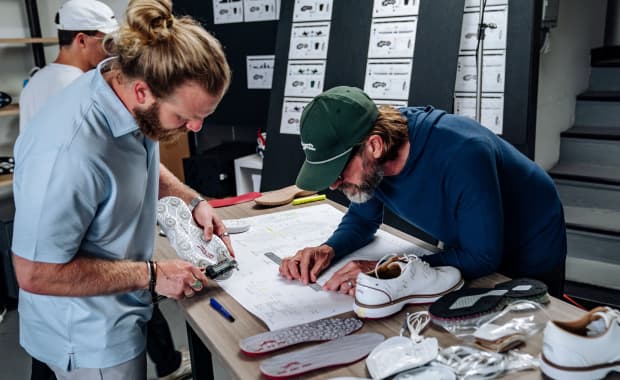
pixel 385 310
pixel 341 351
pixel 576 373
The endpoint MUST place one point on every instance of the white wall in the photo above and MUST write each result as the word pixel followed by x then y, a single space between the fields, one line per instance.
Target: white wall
pixel 565 72
pixel 17 60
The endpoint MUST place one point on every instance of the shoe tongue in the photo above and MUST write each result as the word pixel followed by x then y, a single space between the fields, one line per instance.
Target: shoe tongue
pixel 397 265
pixel 391 269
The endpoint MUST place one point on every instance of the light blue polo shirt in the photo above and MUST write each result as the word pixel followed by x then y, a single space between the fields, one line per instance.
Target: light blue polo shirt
pixel 85 184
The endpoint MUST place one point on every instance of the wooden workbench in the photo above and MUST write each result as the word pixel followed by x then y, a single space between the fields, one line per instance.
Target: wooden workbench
pixel 210 334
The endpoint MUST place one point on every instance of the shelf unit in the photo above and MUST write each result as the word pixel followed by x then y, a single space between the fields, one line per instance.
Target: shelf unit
pixel 37 40
pixel 10 110
pixel 6 185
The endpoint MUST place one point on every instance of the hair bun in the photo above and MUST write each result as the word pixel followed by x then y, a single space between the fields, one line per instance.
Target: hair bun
pixel 151 19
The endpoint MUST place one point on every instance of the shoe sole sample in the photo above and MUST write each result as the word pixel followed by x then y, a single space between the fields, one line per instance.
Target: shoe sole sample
pixel 281 196
pixel 317 331
pixel 187 238
pixel 215 203
pixel 593 372
pixel 341 351
pixel 387 309
pixel 472 303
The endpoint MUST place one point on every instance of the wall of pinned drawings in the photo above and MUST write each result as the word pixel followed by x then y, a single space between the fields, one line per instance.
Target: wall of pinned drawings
pixel 493 63
pixel 401 52
pixel 307 56
pixel 375 45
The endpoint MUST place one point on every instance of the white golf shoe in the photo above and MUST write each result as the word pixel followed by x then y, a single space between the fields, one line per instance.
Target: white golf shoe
pixel 399 281
pixel 588 348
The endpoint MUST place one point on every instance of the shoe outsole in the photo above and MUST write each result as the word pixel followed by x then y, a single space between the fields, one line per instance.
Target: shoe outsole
pixel 317 331
pixel 475 302
pixel 176 221
pixel 577 373
pixel 385 310
pixel 281 196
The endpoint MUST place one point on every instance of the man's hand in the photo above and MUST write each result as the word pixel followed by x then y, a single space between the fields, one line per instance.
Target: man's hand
pixel 178 279
pixel 345 278
pixel 207 218
pixel 307 263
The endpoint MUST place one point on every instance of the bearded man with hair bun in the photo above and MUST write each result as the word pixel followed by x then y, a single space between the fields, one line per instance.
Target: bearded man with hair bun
pixel 86 185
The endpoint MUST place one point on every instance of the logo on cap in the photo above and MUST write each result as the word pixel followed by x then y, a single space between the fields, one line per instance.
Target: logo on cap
pixel 307 146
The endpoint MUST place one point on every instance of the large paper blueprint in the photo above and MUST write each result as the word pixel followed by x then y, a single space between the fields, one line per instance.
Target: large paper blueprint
pixel 280 303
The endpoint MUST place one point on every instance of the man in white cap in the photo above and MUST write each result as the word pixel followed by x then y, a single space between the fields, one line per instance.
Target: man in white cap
pixel 82 25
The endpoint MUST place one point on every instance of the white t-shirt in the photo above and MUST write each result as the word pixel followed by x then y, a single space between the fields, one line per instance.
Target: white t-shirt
pixel 46 82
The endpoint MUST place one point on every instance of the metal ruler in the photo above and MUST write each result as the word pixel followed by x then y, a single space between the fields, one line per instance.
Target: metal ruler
pixel 276 259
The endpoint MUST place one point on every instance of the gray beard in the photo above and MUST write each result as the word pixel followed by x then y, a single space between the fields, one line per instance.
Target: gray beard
pixel 359 196
pixel 364 192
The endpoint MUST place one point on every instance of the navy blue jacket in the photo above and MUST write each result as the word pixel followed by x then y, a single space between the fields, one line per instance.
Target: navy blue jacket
pixel 492 207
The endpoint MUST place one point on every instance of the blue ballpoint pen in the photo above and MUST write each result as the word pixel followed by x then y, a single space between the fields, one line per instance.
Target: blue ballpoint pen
pixel 220 309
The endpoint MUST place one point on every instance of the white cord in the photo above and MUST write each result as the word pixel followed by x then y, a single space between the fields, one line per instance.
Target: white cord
pixel 415 323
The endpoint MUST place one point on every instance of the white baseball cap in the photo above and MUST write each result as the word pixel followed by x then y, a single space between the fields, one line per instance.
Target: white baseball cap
pixel 86 15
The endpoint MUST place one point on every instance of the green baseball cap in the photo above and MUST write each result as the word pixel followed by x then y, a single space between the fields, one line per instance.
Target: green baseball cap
pixel 330 126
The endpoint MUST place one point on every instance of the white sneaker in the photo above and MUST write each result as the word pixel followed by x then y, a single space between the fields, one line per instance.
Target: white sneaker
pixel 185 368
pixel 588 348
pixel 399 281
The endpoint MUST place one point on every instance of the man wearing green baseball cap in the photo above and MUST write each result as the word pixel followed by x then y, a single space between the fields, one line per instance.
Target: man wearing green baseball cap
pixel 491 207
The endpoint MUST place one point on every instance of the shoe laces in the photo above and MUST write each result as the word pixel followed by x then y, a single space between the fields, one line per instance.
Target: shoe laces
pixel 470 363
pixel 615 313
pixel 609 315
pixel 415 324
pixel 409 258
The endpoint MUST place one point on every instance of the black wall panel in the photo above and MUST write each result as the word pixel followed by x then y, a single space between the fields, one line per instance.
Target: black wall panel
pixel 521 86
pixel 240 107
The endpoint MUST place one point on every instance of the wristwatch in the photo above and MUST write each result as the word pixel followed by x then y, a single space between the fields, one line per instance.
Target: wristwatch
pixel 194 202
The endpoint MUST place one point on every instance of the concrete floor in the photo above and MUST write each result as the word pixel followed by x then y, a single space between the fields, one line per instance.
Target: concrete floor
pixel 15 362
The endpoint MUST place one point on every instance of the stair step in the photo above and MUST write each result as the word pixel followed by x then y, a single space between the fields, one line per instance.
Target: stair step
pixel 599 133
pixel 586 172
pixel 605 79
pixel 605 56
pixel 588 195
pixel 589 151
pixel 590 206
pixel 593 259
pixel 593 219
pixel 603 96
pixel 598 109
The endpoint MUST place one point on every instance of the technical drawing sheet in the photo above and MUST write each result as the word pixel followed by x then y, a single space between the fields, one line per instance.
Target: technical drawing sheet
pixel 281 303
